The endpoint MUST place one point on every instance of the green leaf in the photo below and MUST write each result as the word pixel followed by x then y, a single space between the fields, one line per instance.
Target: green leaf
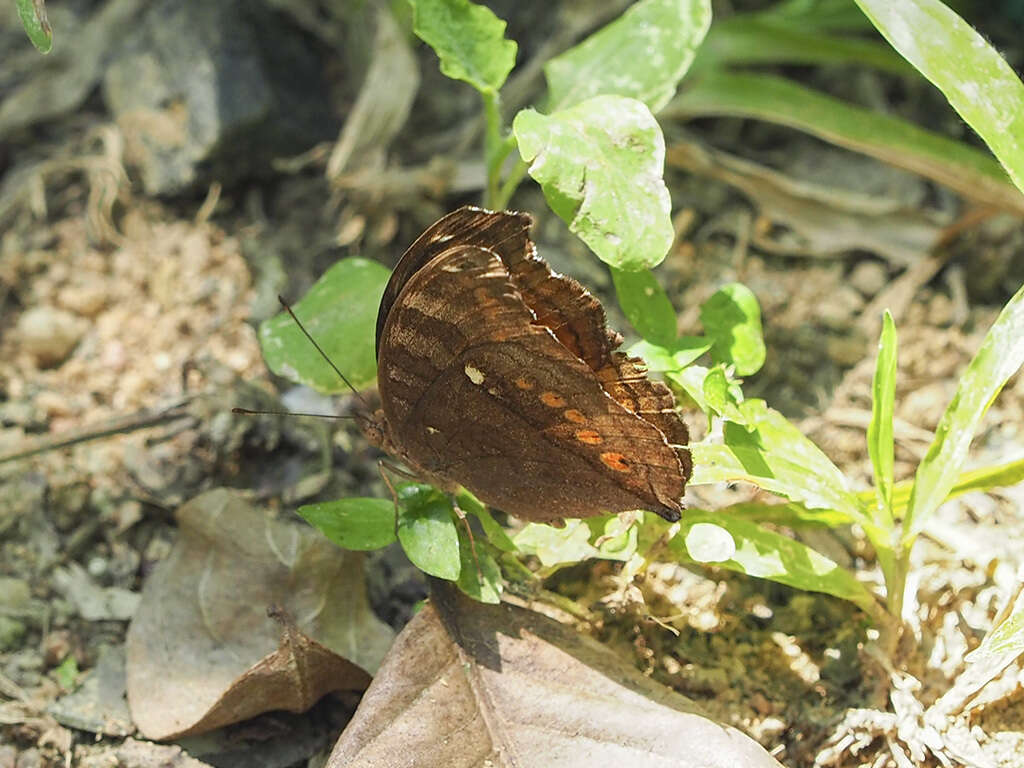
pixel 732 321
pixel 673 357
pixel 1004 639
pixel 480 578
pixel 769 555
pixel 340 312
pixel 36 27
pixel 971 172
pixel 976 80
pixel 791 514
pixel 495 533
pixel 468 39
pixel 1001 354
pixel 980 479
pixel 643 54
pixel 427 532
pixel 646 305
pixel 600 165
pixel 880 440
pixel 614 537
pixel 691 381
pixel 67 672
pixel 774 455
pixel 746 39
pixel 354 523
pixel 721 395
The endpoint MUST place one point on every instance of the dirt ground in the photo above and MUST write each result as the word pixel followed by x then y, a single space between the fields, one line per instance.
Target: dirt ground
pixel 134 319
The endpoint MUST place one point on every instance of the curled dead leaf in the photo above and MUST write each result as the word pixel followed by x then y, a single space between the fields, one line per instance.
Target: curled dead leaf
pixel 202 651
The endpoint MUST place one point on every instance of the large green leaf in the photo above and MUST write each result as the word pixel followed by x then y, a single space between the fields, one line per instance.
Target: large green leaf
pixel 646 304
pixel 340 312
pixel 468 39
pixel 600 165
pixel 732 321
pixel 970 172
pixel 354 523
pixel 880 440
pixel 769 555
pixel 1001 354
pixel 976 80
pixel 643 54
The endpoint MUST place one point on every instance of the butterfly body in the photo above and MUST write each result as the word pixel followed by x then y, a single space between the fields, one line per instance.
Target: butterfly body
pixel 499 375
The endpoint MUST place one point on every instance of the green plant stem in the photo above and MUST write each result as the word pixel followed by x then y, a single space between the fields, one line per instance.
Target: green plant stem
pixel 496 148
pixel 511 184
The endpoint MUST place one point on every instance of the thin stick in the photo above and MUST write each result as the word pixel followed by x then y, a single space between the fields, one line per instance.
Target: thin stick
pixel 143 419
pixel 323 354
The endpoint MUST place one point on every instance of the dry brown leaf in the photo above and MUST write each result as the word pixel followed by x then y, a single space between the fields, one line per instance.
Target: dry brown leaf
pixel 202 651
pixel 825 222
pixel 468 684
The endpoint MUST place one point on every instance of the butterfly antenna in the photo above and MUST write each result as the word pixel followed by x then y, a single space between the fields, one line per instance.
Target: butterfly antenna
pixel 323 354
pixel 250 412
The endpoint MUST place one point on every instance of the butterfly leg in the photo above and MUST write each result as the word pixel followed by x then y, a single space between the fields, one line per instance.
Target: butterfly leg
pixel 472 542
pixel 394 494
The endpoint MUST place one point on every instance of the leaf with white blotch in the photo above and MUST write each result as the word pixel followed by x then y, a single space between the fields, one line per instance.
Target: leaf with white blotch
pixel 202 652
pixel 643 54
pixel 468 684
pixel 600 164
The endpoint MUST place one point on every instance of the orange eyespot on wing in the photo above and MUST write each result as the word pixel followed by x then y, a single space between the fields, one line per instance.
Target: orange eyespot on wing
pixel 615 461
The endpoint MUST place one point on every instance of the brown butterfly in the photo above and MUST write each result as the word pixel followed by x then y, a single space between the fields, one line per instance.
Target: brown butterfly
pixel 498 374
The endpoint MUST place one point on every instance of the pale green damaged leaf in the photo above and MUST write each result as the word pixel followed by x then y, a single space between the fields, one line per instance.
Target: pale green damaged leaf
pixel 769 555
pixel 600 165
pixel 1000 356
pixel 643 54
pixel 773 454
pixel 468 39
pixel 340 312
pixel 975 79
pixel 606 537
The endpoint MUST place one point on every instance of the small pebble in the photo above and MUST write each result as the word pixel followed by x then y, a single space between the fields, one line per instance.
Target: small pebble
pixel 56 647
pixel 49 334
pixel 86 295
pixel 869 277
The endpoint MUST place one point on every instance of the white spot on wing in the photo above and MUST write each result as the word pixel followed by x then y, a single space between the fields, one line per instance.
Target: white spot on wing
pixel 474 374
